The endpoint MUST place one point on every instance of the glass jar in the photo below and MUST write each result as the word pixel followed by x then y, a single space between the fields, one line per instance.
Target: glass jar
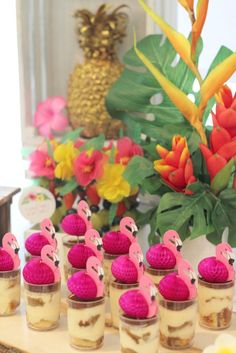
pixel 116 290
pixel 139 335
pixel 9 292
pixel 215 304
pixel 177 322
pixel 156 275
pixel 86 322
pixel 68 242
pixel 108 278
pixel 43 305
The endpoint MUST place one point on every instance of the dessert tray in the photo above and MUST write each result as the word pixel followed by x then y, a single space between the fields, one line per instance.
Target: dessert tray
pixel 16 337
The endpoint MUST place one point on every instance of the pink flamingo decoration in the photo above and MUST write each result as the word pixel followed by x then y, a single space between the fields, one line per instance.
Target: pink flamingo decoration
pixel 219 268
pixel 181 286
pixel 9 258
pixel 118 243
pixel 140 303
pixel 79 253
pixel 36 241
pixel 44 269
pixel 87 285
pixel 78 224
pixel 165 255
pixel 129 269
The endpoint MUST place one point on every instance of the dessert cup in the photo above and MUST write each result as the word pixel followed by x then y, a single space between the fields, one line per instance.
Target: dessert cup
pixel 138 335
pixel 116 290
pixel 68 242
pixel 43 304
pixel 215 304
pixel 9 292
pixel 177 321
pixel 86 322
pixel 108 278
pixel 156 275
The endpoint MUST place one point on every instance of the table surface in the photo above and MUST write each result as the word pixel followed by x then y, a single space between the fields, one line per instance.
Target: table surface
pixel 15 333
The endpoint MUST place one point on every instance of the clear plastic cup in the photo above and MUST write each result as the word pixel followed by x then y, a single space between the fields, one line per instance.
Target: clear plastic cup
pixel 156 275
pixel 68 242
pixel 9 292
pixel 108 278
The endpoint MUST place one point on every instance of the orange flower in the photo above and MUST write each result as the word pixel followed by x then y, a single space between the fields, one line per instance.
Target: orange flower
pixel 202 7
pixel 175 167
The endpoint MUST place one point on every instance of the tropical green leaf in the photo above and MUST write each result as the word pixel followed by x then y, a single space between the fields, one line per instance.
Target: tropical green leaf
pixel 112 212
pixel 137 170
pixel 152 184
pixel 72 135
pixel 95 143
pixel 222 178
pixel 68 187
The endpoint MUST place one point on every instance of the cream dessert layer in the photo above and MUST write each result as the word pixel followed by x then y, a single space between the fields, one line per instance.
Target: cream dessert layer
pixel 108 278
pixel 42 309
pixel 86 325
pixel 139 338
pixel 116 290
pixel 9 295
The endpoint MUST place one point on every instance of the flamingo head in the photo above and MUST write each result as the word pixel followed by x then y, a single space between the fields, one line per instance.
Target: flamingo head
pixel 9 241
pixel 135 252
pixel 184 268
pixel 49 252
pixel 128 227
pixel 48 228
pixel 227 252
pixel 93 237
pixel 94 267
pixel 84 211
pixel 148 287
pixel 173 237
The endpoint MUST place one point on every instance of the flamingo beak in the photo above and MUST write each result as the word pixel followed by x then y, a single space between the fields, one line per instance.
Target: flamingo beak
pixel 153 293
pixel 140 260
pixel 88 214
pixel 134 230
pixel 193 277
pixel 16 250
pixel 100 273
pixel 178 244
pixel 56 260
pixel 231 258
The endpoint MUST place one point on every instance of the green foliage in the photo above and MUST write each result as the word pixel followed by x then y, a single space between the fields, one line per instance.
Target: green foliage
pixel 137 170
pixel 222 178
pixel 95 143
pixel 112 212
pixel 68 187
pixel 72 135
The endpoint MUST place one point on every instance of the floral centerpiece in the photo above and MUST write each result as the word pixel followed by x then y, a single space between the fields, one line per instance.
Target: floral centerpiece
pixel 73 168
pixel 166 104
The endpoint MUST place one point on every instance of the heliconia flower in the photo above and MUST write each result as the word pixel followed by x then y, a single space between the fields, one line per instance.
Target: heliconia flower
pixel 224 343
pixel 41 164
pixel 88 166
pixel 64 155
pixel 187 4
pixel 175 167
pixel 49 116
pixel 126 149
pixel 202 7
pixel 214 162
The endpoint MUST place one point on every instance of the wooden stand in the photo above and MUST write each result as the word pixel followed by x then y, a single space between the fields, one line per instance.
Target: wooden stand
pixel 6 194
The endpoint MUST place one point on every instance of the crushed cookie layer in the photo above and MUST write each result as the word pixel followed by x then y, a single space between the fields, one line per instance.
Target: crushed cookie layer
pixel 172 329
pixel 90 322
pixel 35 301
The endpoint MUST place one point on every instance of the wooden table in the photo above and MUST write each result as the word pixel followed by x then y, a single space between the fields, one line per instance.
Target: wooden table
pixel 15 333
pixel 6 194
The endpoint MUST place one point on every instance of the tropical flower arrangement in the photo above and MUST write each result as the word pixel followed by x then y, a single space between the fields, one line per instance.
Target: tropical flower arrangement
pixel 166 105
pixel 90 169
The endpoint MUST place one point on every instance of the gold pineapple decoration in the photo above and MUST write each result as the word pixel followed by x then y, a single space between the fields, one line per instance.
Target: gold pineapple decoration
pixel 98 36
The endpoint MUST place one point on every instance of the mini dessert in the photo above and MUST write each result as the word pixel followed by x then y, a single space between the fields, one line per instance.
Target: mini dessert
pixel 42 290
pixel 138 322
pixel 216 288
pixel 117 243
pixel 78 223
pixel 36 241
pixel 86 306
pixel 79 253
pixel 127 271
pixel 163 258
pixel 178 307
pixel 9 275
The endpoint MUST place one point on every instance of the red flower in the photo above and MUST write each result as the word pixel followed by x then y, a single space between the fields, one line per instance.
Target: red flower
pixel 41 164
pixel 126 149
pixel 89 166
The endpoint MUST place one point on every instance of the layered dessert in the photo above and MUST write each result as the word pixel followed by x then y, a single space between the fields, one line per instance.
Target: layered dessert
pixel 127 271
pixel 138 320
pixel 86 306
pixel 42 290
pixel 178 308
pixel 116 243
pixel 9 275
pixel 216 288
pixel 162 258
pixel 68 242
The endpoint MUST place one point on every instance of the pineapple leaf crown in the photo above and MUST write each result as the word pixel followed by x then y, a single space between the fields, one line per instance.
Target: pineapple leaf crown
pixel 99 33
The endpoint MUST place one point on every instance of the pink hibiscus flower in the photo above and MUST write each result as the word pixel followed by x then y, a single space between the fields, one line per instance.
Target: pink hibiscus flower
pixel 49 116
pixel 89 166
pixel 41 164
pixel 126 149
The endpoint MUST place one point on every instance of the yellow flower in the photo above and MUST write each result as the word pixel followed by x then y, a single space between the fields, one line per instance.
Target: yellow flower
pixel 40 197
pixel 112 186
pixel 64 155
pixel 224 344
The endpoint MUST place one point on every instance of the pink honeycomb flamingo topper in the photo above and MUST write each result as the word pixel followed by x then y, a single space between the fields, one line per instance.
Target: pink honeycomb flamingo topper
pixel 220 268
pixel 140 303
pixel 118 242
pixel 181 286
pixel 88 284
pixel 36 241
pixel 79 253
pixel 9 258
pixel 167 254
pixel 129 269
pixel 43 269
pixel 78 224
